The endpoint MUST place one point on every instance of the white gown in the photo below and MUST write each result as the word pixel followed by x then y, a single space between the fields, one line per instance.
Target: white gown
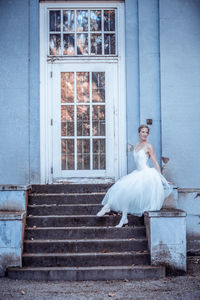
pixel 142 190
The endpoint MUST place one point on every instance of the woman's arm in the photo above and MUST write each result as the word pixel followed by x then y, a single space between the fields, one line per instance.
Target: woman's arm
pixel 153 157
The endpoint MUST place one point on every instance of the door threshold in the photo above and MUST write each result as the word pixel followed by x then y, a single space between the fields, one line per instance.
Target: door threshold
pixel 78 180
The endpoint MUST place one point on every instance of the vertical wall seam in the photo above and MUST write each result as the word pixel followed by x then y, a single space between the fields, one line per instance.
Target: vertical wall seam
pixel 138 34
pixel 159 73
pixel 29 94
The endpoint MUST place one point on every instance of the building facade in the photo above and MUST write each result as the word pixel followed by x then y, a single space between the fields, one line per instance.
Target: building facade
pixel 77 79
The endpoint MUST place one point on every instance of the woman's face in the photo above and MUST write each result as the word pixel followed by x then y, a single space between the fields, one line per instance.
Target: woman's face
pixel 143 134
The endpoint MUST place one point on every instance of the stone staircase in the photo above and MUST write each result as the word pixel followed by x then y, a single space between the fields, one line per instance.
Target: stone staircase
pixel 64 240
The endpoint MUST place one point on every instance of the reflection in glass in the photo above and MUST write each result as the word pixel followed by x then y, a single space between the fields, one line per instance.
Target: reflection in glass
pixel 96 44
pixel 109 43
pixel 95 20
pixel 82 86
pixel 109 20
pixel 67 154
pixel 98 87
pixel 68 43
pixel 67 87
pixel 68 20
pixel 83 154
pixel 54 44
pixel 67 120
pixel 83 120
pixel 54 20
pixel 82 43
pixel 98 120
pixel 82 20
pixel 99 154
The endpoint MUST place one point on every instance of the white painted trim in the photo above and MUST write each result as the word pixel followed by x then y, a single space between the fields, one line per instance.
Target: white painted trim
pixel 119 105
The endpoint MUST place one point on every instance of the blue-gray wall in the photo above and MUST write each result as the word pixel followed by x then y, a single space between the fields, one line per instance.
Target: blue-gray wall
pixel 162 81
pixel 19 92
pixel 180 89
pixel 142 71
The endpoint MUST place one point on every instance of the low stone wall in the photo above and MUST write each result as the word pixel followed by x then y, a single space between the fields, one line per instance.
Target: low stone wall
pixel 13 207
pixel 189 200
pixel 166 232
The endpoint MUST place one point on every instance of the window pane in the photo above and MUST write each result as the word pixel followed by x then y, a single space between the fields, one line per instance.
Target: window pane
pixel 82 86
pixel 98 87
pixel 67 120
pixel 82 43
pixel 68 43
pixel 54 44
pixel 98 120
pixel 82 20
pixel 67 148
pixel 99 154
pixel 95 20
pixel 54 20
pixel 68 20
pixel 109 43
pixel 67 87
pixel 83 120
pixel 83 154
pixel 109 20
pixel 96 44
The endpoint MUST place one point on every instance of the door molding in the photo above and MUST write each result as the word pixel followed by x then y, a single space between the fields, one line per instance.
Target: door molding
pixel 45 75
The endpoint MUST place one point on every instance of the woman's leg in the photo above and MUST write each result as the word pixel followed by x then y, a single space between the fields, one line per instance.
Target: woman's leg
pixel 105 209
pixel 124 219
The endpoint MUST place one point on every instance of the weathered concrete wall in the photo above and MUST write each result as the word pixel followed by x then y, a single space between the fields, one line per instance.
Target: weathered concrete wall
pixel 180 89
pixel 11 239
pixel 19 92
pixel 166 232
pixel 189 201
pixel 13 198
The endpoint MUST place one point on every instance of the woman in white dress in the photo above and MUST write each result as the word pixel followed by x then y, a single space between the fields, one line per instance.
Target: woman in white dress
pixel 141 190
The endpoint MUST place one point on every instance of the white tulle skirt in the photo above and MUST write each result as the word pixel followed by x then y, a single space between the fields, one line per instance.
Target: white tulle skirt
pixel 137 192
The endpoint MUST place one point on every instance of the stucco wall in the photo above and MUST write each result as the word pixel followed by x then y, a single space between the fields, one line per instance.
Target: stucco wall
pixel 19 90
pixel 180 89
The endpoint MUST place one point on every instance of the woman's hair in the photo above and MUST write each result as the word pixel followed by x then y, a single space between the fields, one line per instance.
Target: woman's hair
pixel 143 126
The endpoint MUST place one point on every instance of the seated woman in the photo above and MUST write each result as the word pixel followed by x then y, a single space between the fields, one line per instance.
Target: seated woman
pixel 141 190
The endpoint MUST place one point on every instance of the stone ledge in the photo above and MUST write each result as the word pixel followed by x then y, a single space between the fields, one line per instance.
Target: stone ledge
pixel 168 213
pixel 11 187
pixel 11 215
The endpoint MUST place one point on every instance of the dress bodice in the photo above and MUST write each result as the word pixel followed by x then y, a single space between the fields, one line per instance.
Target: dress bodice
pixel 140 159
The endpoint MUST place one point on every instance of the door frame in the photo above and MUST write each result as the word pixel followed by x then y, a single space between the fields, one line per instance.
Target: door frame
pixel 45 76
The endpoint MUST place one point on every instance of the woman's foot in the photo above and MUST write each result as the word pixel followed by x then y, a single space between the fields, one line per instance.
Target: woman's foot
pixel 103 211
pixel 123 221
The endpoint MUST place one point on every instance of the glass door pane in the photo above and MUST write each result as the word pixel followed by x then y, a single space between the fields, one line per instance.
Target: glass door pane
pixel 83 121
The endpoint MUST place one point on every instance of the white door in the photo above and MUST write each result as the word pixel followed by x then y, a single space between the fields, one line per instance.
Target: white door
pixel 83 97
pixel 82 90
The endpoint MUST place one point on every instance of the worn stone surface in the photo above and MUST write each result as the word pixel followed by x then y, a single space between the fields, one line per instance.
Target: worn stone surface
pixel 11 239
pixel 166 231
pixel 170 288
pixel 13 200
pixel 189 200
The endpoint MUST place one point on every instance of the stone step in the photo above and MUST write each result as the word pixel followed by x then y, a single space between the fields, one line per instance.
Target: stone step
pixel 82 232
pixel 85 273
pixel 77 221
pixel 69 188
pixel 74 198
pixel 86 245
pixel 85 259
pixel 64 209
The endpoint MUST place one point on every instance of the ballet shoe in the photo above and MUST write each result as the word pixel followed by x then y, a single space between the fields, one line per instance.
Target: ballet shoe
pixel 121 223
pixel 103 211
